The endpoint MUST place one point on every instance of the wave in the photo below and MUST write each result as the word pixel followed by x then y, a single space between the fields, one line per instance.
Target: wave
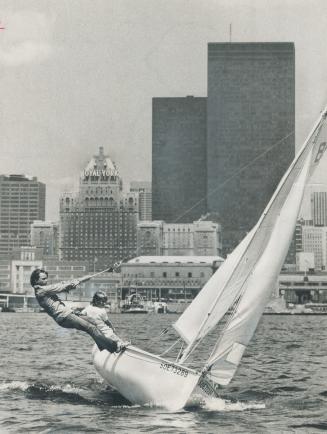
pixel 217 404
pixel 14 385
pixel 318 426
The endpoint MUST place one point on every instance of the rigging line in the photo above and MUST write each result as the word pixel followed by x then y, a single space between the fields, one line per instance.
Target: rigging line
pixel 180 351
pixel 171 347
pixel 154 362
pixel 241 169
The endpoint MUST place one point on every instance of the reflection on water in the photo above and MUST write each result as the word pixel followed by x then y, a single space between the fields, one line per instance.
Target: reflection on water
pixel 48 383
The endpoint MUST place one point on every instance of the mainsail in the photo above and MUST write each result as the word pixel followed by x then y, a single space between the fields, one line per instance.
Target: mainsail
pixel 247 277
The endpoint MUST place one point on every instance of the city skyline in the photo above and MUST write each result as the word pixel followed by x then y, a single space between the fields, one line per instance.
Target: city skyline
pixel 79 77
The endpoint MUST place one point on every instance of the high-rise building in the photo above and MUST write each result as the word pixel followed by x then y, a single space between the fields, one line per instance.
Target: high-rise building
pixel 178 159
pixel 319 208
pixel 250 130
pixel 45 236
pixel 22 200
pixel 98 223
pixel 144 191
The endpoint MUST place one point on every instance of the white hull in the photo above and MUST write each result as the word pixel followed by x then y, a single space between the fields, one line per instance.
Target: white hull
pixel 144 378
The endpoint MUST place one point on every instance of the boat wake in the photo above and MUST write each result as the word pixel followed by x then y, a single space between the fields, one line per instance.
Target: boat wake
pixel 66 393
pixel 72 394
pixel 218 404
pixel 222 405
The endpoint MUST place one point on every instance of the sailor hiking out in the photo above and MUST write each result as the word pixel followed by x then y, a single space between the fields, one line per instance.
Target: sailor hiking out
pixel 47 297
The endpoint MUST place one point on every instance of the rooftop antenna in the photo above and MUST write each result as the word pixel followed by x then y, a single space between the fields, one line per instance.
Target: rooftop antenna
pixel 230 32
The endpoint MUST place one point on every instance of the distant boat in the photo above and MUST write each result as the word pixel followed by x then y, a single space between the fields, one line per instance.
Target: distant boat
pixel 235 297
pixel 134 303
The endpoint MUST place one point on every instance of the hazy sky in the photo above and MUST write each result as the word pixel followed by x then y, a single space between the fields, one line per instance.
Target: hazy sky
pixel 79 74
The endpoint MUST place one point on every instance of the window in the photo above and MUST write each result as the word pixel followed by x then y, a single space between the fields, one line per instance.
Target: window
pixel 189 274
pixel 164 274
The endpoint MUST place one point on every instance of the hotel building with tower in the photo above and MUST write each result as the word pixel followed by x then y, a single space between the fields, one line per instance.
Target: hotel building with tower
pixel 98 223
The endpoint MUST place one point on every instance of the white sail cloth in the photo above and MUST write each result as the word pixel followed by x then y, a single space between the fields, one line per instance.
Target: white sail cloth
pixel 257 289
pixel 231 279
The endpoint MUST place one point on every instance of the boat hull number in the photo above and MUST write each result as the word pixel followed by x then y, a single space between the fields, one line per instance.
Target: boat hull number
pixel 174 369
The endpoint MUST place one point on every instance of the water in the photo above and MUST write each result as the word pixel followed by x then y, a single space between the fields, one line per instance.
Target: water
pixel 48 383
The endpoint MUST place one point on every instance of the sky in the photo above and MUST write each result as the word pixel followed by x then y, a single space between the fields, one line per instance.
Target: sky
pixel 80 74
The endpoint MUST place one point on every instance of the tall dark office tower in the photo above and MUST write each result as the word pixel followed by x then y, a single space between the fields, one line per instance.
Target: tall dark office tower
pixel 250 130
pixel 98 224
pixel 22 200
pixel 178 159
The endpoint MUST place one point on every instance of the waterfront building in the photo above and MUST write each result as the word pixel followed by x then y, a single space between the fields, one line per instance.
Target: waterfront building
pixel 22 200
pixel 15 288
pixel 167 277
pixel 98 223
pixel 303 287
pixel 314 239
pixel 45 235
pixel 319 208
pixel 144 198
pixel 5 273
pixel 178 239
pixel 19 302
pixel 149 238
pixel 110 283
pixel 250 130
pixel 207 238
pixel 296 243
pixel 200 238
pixel 24 260
pixel 178 159
pixel 305 261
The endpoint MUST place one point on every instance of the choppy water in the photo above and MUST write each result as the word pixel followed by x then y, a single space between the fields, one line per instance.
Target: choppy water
pixel 48 383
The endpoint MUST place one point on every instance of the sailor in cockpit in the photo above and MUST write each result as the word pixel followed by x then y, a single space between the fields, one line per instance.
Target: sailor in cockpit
pixel 47 297
pixel 97 311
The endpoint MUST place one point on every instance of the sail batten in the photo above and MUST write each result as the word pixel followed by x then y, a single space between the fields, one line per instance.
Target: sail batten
pixel 231 280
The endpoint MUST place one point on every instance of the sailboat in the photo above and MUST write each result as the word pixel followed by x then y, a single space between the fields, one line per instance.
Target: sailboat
pixel 235 296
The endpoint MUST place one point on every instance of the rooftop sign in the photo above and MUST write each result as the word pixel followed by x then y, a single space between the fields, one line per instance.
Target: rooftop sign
pixel 100 173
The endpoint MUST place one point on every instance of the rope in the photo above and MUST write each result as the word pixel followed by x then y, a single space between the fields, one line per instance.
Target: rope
pixel 172 346
pixel 237 172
